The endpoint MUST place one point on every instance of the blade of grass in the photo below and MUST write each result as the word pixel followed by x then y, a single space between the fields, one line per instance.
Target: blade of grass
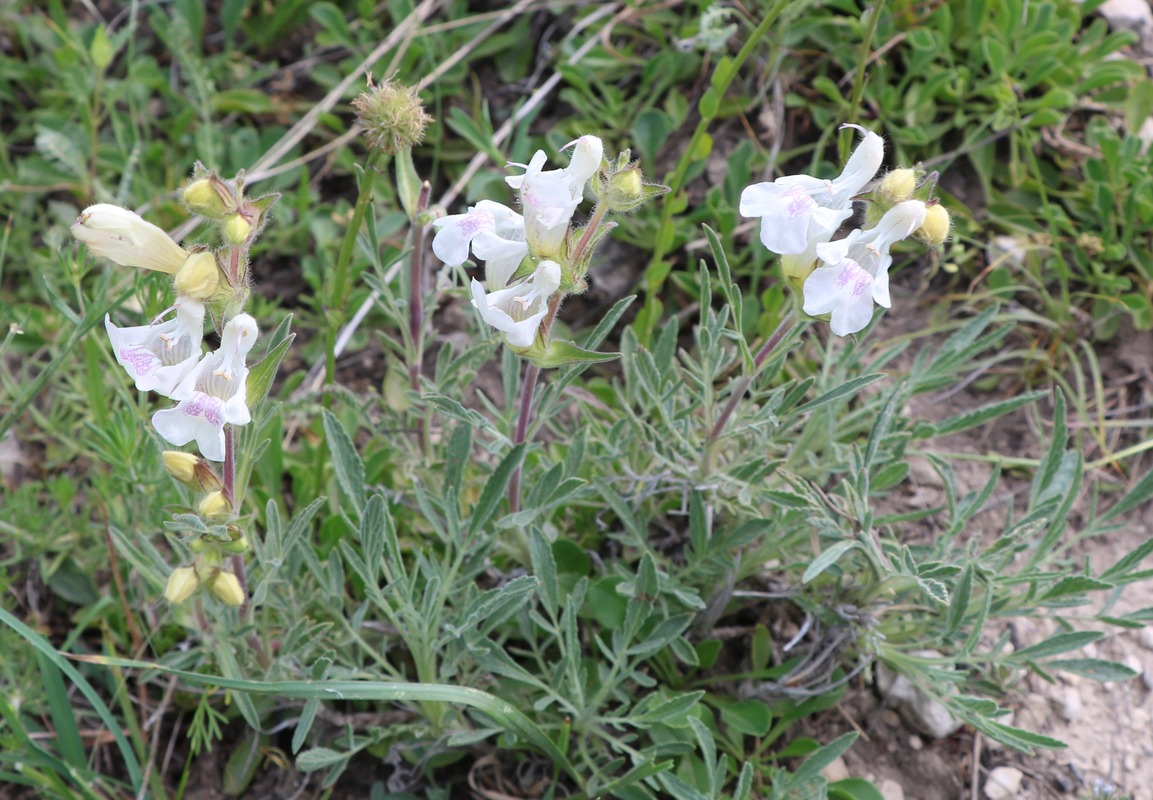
pixel 42 645
pixel 388 691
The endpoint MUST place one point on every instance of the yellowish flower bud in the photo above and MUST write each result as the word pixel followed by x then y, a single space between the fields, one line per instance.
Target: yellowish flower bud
pixel 181 584
pixel 898 186
pixel 236 546
pixel 237 229
pixel 797 269
pixel 227 588
pixel 210 197
pixel 214 506
pixel 199 278
pixel 937 225
pixel 191 470
pixel 181 466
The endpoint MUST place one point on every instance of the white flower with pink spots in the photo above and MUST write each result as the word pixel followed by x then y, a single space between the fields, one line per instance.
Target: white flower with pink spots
pixel 213 394
pixel 856 270
pixel 159 356
pixel 798 212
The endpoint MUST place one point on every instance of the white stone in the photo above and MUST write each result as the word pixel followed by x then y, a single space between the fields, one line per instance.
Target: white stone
pixel 921 711
pixel 1127 14
pixel 1003 783
pixel 891 790
pixel 1069 704
pixel 915 743
pixel 1145 638
pixel 836 770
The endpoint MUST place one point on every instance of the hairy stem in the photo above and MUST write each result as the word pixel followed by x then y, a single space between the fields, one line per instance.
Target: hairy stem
pixel 528 387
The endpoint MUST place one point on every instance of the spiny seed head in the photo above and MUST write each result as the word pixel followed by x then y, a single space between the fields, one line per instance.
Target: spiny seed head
pixel 391 116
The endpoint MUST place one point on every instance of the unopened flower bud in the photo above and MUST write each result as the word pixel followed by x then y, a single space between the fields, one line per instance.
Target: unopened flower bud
pixel 191 470
pixel 181 584
pixel 897 186
pixel 199 278
pixel 214 506
pixel 935 230
pixel 227 588
pixel 237 546
pixel 626 190
pixel 391 116
pixel 236 229
pixel 797 269
pixel 181 466
pixel 210 197
pixel 126 238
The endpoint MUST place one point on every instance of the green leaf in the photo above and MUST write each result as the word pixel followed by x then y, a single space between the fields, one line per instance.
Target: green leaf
pixel 750 717
pixel 1017 738
pixel 1054 645
pixel 345 461
pixel 979 416
pixel 545 569
pixel 560 353
pixel 1093 668
pixel 846 389
pixel 318 758
pixel 502 713
pixel 495 490
pixel 1135 497
pixel 828 558
pixel 261 376
pixel 813 765
pixel 854 789
pixel 669 712
pixel 1075 585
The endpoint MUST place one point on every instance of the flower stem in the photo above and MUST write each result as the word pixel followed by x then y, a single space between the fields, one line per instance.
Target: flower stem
pixel 416 288
pixel 528 387
pixel 229 477
pixel 337 299
pixel 590 231
pixel 783 330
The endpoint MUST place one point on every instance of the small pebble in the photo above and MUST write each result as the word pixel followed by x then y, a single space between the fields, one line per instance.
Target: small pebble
pixel 915 742
pixel 836 770
pixel 1003 783
pixel 890 718
pixel 1145 638
pixel 891 790
pixel 1069 704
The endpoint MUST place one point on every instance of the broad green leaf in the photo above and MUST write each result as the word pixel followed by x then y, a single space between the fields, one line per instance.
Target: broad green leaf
pixel 1054 645
pixel 846 389
pixel 1094 668
pixel 828 558
pixel 345 461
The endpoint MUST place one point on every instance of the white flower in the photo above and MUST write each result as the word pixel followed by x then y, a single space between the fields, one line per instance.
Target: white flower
pixel 799 211
pixel 127 239
pixel 517 311
pixel 493 231
pixel 159 356
pixel 856 271
pixel 212 394
pixel 551 198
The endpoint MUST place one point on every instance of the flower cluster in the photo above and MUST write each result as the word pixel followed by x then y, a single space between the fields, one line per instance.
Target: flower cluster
pixel 843 279
pixel 533 259
pixel 166 356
